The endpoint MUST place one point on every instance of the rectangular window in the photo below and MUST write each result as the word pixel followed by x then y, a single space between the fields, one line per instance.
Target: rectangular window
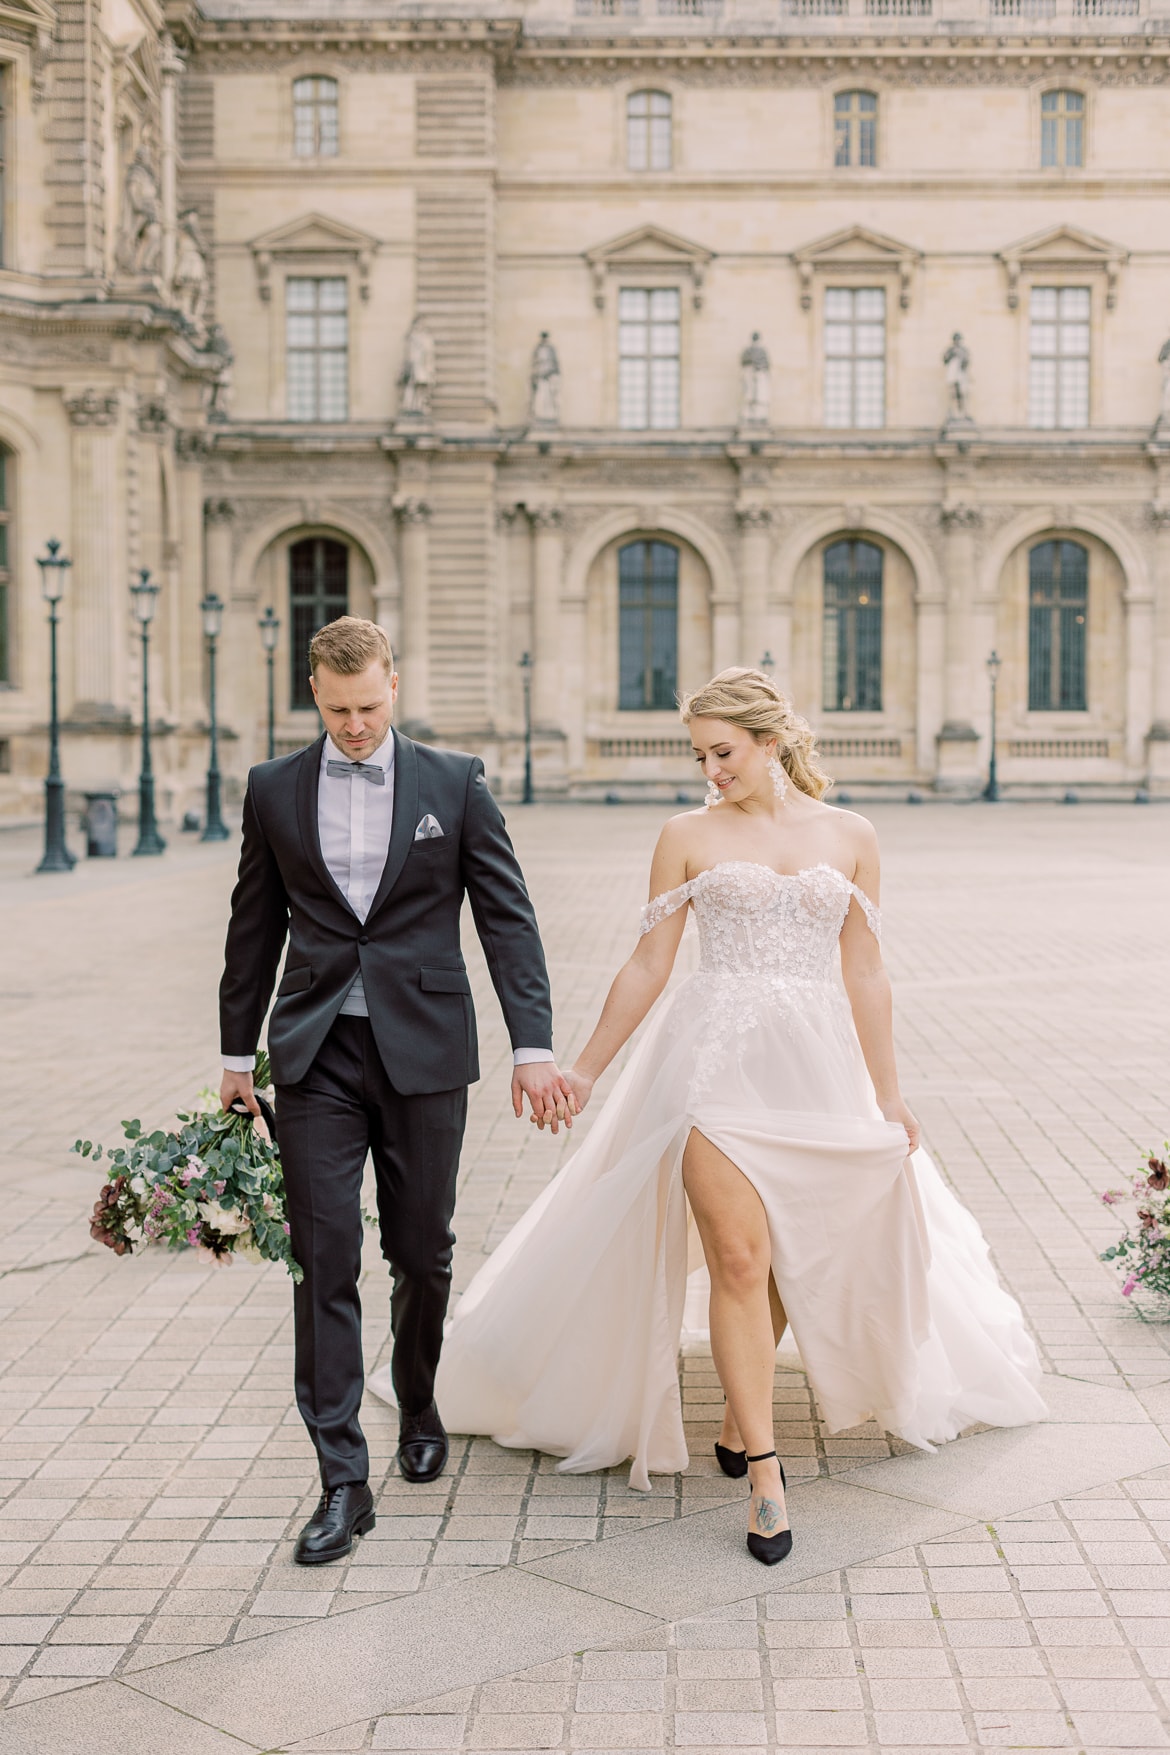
pixel 317 356
pixel 854 129
pixel 647 626
pixel 315 117
pixel 648 131
pixel 1058 378
pixel 5 576
pixel 648 357
pixel 1058 613
pixel 855 356
pixel 1062 130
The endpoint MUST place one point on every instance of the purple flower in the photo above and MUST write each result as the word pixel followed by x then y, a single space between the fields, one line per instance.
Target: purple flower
pixel 1129 1285
pixel 193 1237
pixel 287 1229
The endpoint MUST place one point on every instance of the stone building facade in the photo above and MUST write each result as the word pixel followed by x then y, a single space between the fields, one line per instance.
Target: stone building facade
pixel 639 336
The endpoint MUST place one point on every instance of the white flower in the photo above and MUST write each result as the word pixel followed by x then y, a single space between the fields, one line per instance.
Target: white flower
pixel 228 1224
pixel 246 1246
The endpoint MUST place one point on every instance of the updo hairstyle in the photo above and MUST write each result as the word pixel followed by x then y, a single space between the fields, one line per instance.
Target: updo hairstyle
pixel 751 700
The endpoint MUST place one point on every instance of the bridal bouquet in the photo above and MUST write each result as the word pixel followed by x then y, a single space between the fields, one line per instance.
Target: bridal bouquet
pixel 214 1185
pixel 1144 1253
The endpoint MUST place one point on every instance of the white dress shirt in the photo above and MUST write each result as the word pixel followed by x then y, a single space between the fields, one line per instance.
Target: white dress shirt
pixel 354 819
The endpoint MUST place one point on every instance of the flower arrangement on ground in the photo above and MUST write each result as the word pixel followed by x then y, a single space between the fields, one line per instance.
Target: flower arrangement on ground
pixel 1144 1253
pixel 214 1184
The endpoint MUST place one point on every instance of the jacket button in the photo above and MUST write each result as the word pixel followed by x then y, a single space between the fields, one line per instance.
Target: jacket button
pixel 363 940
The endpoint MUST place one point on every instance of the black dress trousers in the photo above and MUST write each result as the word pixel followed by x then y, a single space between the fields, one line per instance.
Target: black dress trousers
pixel 344 1107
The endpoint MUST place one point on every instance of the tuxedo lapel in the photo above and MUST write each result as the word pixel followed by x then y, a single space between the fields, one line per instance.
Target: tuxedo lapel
pixel 404 821
pixel 308 784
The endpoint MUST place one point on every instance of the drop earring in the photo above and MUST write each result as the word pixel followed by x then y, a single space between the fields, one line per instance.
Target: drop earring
pixel 714 796
pixel 779 777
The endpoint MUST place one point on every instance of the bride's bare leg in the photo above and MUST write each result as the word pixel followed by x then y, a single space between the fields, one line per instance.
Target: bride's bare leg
pixel 729 1431
pixel 734 1230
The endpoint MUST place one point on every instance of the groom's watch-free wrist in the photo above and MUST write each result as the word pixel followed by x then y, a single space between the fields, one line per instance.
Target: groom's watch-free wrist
pixel 530 1056
pixel 239 1062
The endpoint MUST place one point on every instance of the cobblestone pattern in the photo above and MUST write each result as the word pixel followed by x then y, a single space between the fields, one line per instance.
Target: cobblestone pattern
pixel 153 1471
pixel 1046 1630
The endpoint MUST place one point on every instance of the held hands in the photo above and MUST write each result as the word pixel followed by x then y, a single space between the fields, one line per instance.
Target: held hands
pixel 896 1110
pixel 236 1087
pixel 550 1094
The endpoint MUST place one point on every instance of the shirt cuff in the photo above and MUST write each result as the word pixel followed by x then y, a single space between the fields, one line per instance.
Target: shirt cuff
pixel 529 1056
pixel 238 1062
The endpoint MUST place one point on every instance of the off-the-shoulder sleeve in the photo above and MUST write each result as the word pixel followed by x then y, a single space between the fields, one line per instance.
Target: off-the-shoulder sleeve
pixel 663 906
pixel 873 917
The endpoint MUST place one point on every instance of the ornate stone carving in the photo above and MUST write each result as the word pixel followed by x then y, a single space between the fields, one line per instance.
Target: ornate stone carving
pixel 190 287
pixel 755 383
pixel 192 445
pixel 754 517
pixel 416 380
pixel 154 417
pixel 410 509
pixel 960 516
pixel 93 408
pixel 219 511
pixel 546 517
pixel 957 365
pixel 140 234
pixel 545 383
pixel 219 407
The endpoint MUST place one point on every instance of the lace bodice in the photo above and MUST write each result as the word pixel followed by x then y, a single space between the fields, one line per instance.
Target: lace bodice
pixel 756 921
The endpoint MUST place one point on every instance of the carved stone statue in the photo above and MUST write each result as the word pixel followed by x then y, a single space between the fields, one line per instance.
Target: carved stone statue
pixel 755 381
pixel 1164 409
pixel 220 406
pixel 191 270
pixel 957 361
pixel 545 405
pixel 416 380
pixel 139 248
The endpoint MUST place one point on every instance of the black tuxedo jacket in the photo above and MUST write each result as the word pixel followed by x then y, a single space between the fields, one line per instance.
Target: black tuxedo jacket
pixel 408 949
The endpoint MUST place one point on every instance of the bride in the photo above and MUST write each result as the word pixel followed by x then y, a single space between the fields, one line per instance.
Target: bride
pixel 765 1096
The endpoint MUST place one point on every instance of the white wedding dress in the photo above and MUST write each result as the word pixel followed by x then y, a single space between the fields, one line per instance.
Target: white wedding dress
pixel 567 1339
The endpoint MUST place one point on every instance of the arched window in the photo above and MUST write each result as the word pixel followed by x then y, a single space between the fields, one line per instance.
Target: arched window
pixel 853 627
pixel 855 128
pixel 647 626
pixel 1058 616
pixel 5 563
pixel 318 592
pixel 648 145
pixel 315 117
pixel 1062 130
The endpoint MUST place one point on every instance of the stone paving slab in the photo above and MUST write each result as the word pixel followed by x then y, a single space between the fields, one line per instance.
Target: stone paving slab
pixel 153 1471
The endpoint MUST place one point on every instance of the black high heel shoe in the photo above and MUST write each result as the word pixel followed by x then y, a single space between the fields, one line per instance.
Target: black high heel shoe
pixel 732 1462
pixel 770 1550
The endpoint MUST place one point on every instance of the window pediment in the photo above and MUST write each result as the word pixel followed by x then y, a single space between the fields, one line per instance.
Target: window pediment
pixel 857 249
pixel 29 15
pixel 648 249
pixel 326 241
pixel 1061 249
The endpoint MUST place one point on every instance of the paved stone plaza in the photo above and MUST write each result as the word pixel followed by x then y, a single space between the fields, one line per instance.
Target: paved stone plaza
pixel 1013 1591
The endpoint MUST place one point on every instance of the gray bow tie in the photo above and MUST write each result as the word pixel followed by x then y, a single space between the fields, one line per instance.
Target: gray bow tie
pixel 368 771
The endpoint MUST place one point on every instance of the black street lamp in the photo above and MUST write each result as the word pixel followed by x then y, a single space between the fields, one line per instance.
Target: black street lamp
pixel 211 610
pixel 57 856
pixel 527 796
pixel 991 790
pixel 767 663
pixel 145 596
pixel 269 625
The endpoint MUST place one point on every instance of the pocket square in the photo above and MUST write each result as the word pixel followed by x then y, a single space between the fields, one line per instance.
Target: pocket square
pixel 429 829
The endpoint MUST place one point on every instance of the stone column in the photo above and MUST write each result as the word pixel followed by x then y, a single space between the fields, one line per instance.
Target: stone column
pixel 755 542
pixel 726 640
pixel 549 651
pixel 171 65
pixel 414 661
pixel 100 582
pixel 191 451
pixel 1158 746
pixel 958 740
pixel 514 612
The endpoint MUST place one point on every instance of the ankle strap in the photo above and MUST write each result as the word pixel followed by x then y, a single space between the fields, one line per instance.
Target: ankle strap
pixel 763 1456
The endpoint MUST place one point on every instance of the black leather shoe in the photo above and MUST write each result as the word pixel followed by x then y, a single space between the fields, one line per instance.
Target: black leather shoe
pixel 342 1513
pixel 422 1445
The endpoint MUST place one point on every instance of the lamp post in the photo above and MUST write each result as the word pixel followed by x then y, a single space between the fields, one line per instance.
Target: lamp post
pixel 767 663
pixel 57 856
pixel 991 790
pixel 526 797
pixel 269 625
pixel 145 596
pixel 215 829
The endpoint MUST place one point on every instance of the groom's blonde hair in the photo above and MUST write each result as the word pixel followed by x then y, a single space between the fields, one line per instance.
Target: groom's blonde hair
pixel 751 700
pixel 348 645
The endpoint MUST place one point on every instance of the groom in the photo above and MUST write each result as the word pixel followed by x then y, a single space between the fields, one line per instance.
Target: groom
pixel 359 849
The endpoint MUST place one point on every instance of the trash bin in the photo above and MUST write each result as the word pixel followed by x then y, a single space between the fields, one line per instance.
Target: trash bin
pixel 101 824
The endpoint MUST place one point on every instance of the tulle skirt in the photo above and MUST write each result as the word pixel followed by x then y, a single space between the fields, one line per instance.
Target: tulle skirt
pixel 567 1339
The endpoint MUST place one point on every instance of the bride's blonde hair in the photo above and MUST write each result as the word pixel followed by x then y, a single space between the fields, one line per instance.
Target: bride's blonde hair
pixel 751 700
